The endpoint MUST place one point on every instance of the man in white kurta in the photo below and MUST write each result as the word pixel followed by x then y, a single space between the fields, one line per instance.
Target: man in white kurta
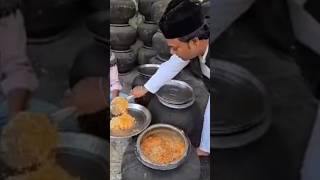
pixel 188 39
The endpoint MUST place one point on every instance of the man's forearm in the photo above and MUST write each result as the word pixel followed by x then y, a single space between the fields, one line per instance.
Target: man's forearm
pixel 17 101
pixel 166 72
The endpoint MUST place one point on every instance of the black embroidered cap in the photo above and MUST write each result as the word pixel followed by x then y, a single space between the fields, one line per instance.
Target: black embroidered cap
pixel 181 18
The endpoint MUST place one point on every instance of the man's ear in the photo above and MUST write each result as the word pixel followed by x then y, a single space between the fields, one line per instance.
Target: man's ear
pixel 195 42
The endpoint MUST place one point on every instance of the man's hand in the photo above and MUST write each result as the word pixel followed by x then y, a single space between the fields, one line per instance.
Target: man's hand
pixel 139 91
pixel 88 96
pixel 114 94
pixel 202 153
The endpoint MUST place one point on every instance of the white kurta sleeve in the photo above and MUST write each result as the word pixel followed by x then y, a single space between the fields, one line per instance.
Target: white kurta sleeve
pixel 205 136
pixel 167 71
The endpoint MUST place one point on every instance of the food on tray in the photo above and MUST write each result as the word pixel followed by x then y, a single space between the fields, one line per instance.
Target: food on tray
pixel 49 171
pixel 27 140
pixel 119 105
pixel 122 122
pixel 163 148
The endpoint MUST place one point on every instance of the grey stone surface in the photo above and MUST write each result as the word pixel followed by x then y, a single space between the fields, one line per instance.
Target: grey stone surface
pixel 117 148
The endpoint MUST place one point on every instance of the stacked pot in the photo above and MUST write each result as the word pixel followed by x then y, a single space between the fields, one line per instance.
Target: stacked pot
pixel 158 40
pixel 160 45
pixel 206 9
pixel 97 22
pixel 146 30
pixel 48 20
pixel 122 35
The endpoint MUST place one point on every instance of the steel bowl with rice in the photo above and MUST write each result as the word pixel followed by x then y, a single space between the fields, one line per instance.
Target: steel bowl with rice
pixel 162 147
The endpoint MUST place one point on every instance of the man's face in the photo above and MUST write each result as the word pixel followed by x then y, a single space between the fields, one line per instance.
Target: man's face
pixel 185 50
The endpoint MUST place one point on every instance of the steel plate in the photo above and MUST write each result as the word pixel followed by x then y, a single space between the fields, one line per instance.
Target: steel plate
pixel 176 106
pixel 148 69
pixel 143 119
pixel 176 92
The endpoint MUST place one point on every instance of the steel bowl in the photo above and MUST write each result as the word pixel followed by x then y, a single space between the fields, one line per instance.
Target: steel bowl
pixel 158 128
pixel 81 155
pixel 148 70
pixel 143 119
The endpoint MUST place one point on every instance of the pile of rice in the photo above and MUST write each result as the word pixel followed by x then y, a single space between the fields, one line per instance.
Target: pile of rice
pixel 119 105
pixel 163 147
pixel 28 140
pixel 122 120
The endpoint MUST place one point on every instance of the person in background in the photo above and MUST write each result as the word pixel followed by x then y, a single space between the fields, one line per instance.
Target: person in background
pixel 89 89
pixel 18 79
pixel 115 85
pixel 89 80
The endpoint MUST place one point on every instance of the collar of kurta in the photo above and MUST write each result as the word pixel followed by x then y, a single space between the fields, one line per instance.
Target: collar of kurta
pixel 204 68
pixel 204 57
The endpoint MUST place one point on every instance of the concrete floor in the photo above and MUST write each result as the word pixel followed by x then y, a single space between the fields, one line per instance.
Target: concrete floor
pixel 118 146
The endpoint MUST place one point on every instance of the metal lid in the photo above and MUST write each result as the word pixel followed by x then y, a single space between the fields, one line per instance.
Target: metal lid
pixel 176 92
pixel 84 142
pixel 143 119
pixel 148 69
pixel 177 106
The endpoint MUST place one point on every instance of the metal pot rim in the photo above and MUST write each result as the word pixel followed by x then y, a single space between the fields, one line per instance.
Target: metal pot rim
pixel 171 165
pixel 150 22
pixel 147 66
pixel 176 106
pixel 119 25
pixel 172 101
pixel 161 59
pixel 147 47
pixel 121 51
pixel 83 142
